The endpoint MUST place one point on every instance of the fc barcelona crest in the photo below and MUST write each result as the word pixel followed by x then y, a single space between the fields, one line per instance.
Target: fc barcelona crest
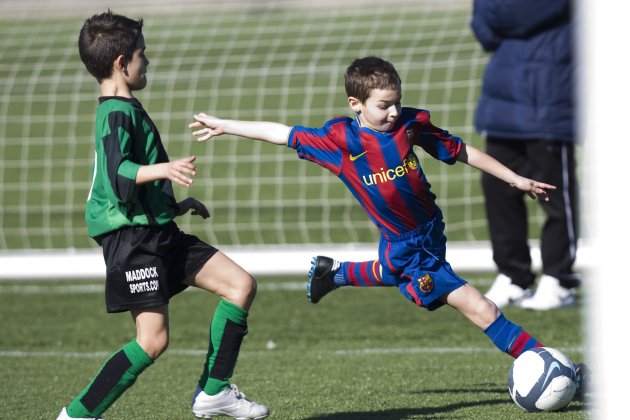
pixel 412 161
pixel 425 283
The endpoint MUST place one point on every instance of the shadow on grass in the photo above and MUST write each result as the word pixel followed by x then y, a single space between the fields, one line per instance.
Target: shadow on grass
pixel 434 411
pixel 404 413
pixel 479 390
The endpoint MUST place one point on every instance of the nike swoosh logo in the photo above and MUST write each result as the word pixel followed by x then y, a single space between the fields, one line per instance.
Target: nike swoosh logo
pixel 353 158
pixel 552 367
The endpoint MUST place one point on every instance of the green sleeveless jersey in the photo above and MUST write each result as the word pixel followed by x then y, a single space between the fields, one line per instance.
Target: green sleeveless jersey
pixel 126 139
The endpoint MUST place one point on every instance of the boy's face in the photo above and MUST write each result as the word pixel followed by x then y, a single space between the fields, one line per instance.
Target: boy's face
pixel 381 109
pixel 136 68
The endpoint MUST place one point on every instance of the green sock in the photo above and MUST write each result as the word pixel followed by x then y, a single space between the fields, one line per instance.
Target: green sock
pixel 117 374
pixel 227 330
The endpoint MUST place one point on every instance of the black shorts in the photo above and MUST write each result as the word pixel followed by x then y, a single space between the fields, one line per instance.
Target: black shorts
pixel 146 265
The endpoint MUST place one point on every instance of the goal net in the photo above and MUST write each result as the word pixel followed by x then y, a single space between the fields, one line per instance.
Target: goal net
pixel 265 60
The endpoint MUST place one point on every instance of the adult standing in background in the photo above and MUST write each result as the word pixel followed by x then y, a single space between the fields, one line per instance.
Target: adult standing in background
pixel 526 111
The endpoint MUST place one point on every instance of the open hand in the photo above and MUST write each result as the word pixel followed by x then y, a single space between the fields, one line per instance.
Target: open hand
pixel 533 188
pixel 178 171
pixel 198 208
pixel 210 126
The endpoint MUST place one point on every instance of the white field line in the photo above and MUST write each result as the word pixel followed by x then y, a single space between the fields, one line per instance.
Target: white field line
pixel 270 261
pixel 90 288
pixel 21 354
pixel 267 261
pixel 272 286
pixel 100 288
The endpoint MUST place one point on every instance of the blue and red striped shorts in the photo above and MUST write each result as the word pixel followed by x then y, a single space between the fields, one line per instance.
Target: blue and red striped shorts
pixel 415 262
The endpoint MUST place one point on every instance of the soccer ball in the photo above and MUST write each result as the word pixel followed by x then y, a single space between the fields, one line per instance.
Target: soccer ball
pixel 542 379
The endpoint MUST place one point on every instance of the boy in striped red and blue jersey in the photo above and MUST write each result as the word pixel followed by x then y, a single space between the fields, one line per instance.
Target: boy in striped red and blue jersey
pixel 373 154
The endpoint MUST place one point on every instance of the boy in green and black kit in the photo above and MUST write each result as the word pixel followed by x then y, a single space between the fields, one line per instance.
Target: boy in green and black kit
pixel 130 213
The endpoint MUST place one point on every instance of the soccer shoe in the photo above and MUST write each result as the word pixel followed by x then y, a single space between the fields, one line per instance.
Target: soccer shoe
pixel 64 416
pixel 503 292
pixel 583 380
pixel 549 295
pixel 229 402
pixel 321 278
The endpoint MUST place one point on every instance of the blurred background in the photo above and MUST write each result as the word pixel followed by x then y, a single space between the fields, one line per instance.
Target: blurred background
pixel 272 60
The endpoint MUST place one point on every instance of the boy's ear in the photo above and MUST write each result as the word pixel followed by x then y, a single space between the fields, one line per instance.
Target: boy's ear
pixel 354 103
pixel 120 63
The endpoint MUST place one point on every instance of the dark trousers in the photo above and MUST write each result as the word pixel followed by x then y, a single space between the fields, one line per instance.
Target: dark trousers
pixel 545 161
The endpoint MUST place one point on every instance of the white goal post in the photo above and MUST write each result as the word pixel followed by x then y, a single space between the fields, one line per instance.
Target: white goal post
pixel 280 60
pixel 271 260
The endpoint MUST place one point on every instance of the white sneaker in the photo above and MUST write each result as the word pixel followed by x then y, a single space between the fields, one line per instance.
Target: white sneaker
pixel 229 402
pixel 549 295
pixel 64 416
pixel 503 292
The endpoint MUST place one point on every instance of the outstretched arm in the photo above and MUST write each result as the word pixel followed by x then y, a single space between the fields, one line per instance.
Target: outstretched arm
pixel 270 132
pixel 484 162
pixel 178 171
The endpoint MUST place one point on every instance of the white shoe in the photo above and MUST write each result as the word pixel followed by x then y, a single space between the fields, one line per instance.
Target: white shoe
pixel 503 292
pixel 549 295
pixel 64 416
pixel 229 402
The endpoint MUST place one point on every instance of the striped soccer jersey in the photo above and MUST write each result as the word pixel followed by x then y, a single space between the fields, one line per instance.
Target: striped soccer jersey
pixel 380 168
pixel 126 139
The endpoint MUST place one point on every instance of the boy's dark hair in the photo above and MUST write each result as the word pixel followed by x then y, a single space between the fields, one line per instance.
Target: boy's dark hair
pixel 103 38
pixel 369 73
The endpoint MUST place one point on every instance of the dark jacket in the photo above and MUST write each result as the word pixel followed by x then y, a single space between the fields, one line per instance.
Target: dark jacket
pixel 528 85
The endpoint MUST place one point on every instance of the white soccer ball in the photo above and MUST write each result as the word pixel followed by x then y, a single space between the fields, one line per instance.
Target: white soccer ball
pixel 542 379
